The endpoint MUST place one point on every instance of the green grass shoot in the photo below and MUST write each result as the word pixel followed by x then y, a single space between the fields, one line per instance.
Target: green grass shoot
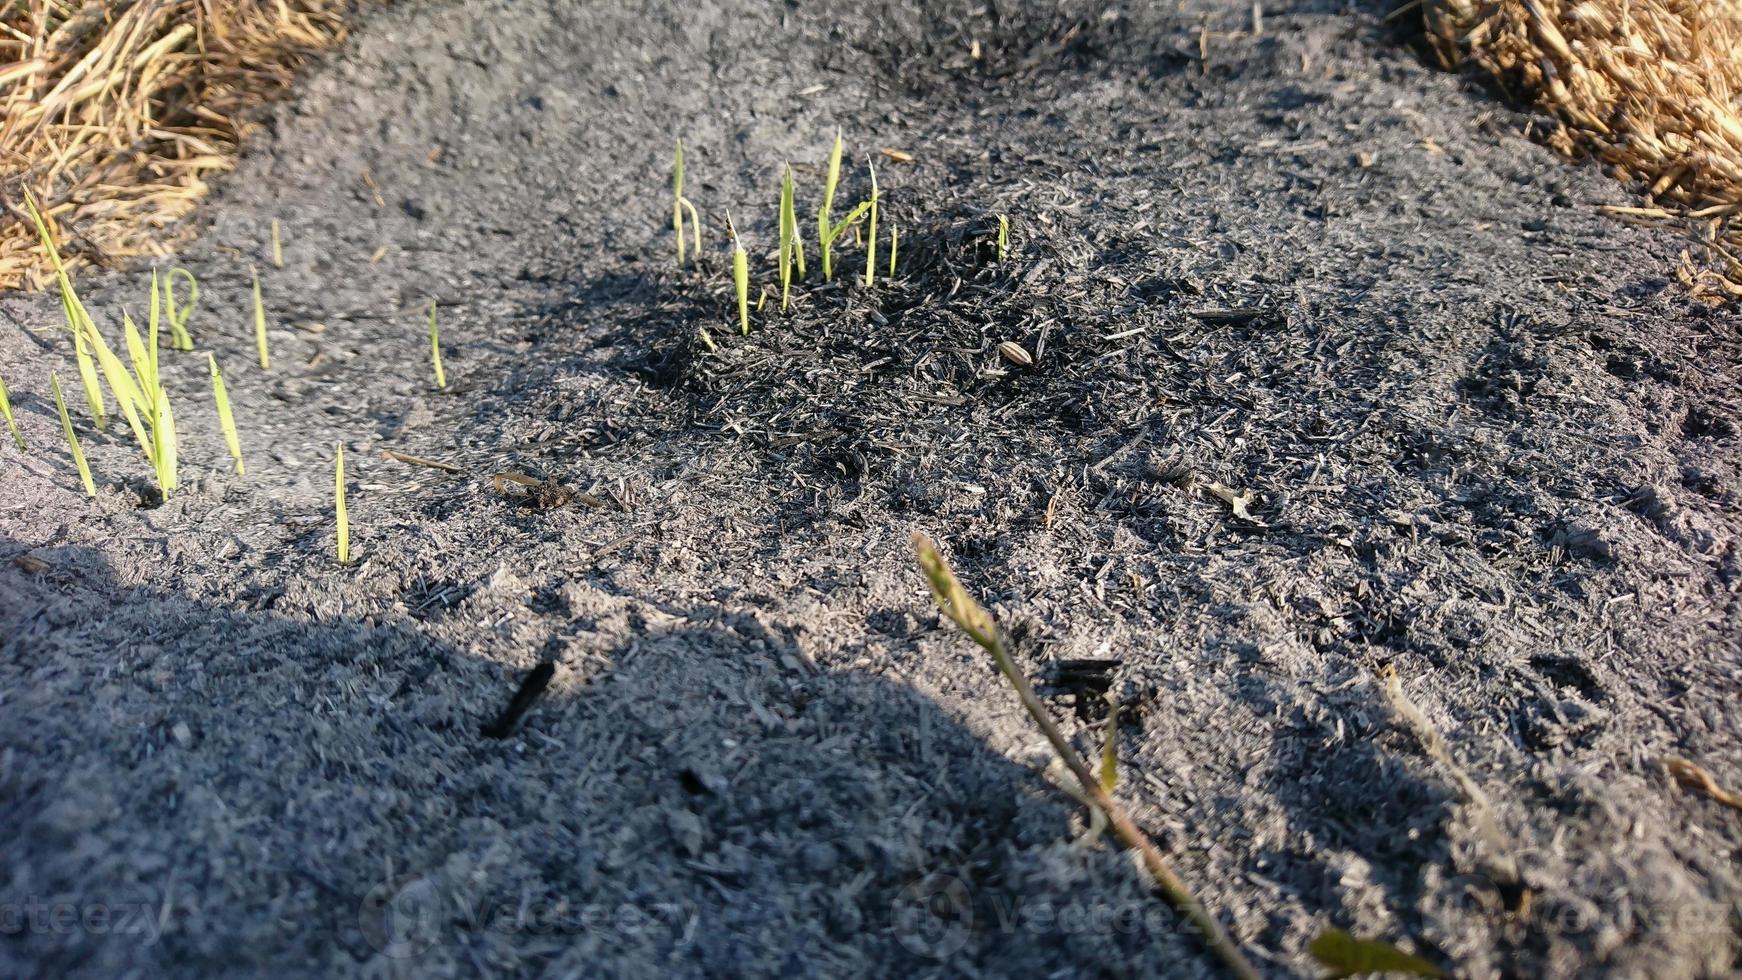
pixel 66 424
pixel 871 230
pixel 344 519
pixel 681 204
pixel 76 317
pixel 677 202
pixel 260 323
pixel 826 215
pixel 6 410
pixel 894 242
pixel 177 315
pixel 435 347
pixel 1003 236
pixel 788 238
pixel 740 276
pixel 145 388
pixel 225 419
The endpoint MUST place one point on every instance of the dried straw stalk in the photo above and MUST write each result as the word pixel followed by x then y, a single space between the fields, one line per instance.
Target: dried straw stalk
pixel 114 112
pixel 1648 87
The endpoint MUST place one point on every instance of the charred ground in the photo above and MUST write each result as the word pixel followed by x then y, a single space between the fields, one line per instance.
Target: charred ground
pixel 1473 431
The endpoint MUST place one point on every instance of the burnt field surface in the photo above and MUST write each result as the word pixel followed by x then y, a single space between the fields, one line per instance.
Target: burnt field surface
pixel 1347 417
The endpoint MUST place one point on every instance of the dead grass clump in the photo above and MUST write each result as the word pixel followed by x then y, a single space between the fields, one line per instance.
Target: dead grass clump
pixel 1648 87
pixel 115 111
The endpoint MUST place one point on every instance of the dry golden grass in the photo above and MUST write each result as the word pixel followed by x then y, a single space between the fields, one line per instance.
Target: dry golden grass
pixel 115 111
pixel 1648 87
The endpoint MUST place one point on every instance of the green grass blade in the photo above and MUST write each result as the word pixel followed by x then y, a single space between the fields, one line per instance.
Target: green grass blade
pixel 163 437
pixel 1003 236
pixel 787 230
pixel 695 226
pixel 225 419
pixel 826 215
pixel 75 315
pixel 121 384
pixel 894 242
pixel 677 202
pixel 344 521
pixel 260 323
pixel 6 410
pixel 871 231
pixel 740 276
pixel 66 424
pixel 435 346
pixel 178 315
pixel 151 331
pixel 792 223
pixel 141 360
pixel 853 217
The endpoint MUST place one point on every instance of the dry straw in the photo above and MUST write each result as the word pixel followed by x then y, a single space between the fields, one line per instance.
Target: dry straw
pixel 114 112
pixel 1647 87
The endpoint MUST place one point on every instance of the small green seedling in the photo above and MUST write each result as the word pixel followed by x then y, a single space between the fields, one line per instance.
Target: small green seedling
pixel 680 204
pixel 277 247
pixel 76 317
pixel 894 241
pixel 435 347
pixel 339 505
pixel 177 315
pixel 826 215
pixel 1003 236
pixel 66 424
pixel 871 230
pixel 225 419
pixel 6 410
pixel 677 202
pixel 260 322
pixel 145 389
pixel 740 276
pixel 791 249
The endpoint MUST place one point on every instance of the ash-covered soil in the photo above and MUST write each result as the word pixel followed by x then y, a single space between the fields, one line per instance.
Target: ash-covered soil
pixel 1475 434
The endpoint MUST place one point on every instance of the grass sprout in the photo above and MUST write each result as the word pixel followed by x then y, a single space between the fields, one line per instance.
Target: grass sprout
pixel 677 202
pixel 6 410
pixel 826 214
pixel 277 247
pixel 225 419
pixel 76 317
pixel 66 424
pixel 871 230
pixel 961 609
pixel 1003 236
pixel 740 276
pixel 177 315
pixel 344 520
pixel 681 204
pixel 894 241
pixel 260 322
pixel 435 347
pixel 791 249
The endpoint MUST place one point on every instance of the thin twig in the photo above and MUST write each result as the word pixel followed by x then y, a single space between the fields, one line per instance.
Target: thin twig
pixel 977 623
